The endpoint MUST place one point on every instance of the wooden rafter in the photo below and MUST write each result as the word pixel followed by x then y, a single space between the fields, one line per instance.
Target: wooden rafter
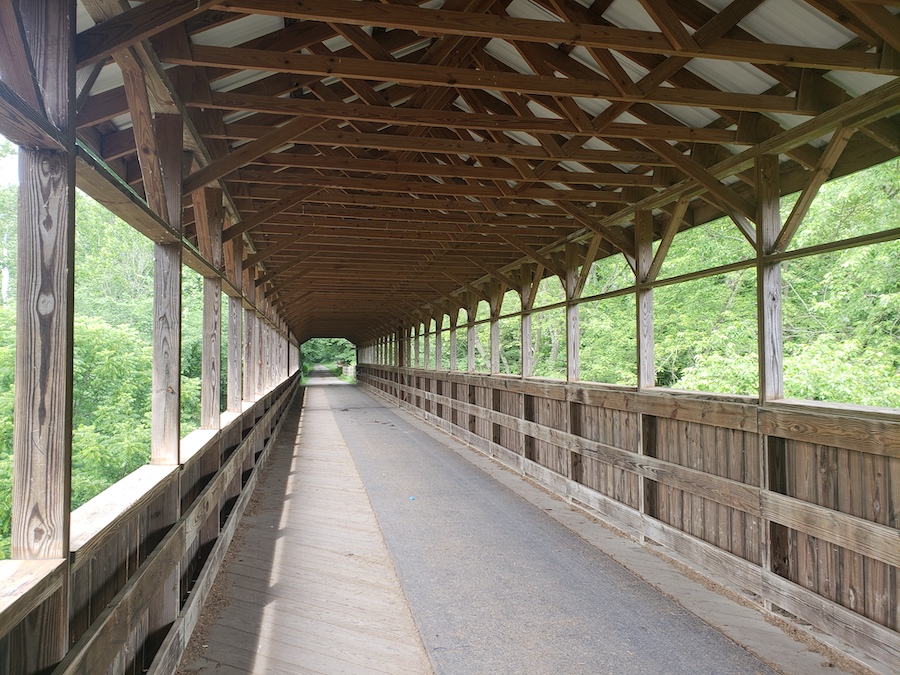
pixel 419 149
pixel 829 158
pixel 445 22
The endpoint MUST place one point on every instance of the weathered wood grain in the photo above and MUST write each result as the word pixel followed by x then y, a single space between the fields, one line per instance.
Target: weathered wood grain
pixel 24 585
pixel 42 444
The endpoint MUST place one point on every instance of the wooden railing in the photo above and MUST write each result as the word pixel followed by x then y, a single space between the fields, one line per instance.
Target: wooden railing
pixel 144 554
pixel 795 503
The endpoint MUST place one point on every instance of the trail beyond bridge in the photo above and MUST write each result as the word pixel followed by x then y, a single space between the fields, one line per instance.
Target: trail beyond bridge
pixel 366 516
pixel 598 266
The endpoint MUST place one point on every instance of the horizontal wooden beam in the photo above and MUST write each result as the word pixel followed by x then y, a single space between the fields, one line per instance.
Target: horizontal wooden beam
pixel 121 144
pixel 467 78
pixel 422 187
pixel 465 171
pixel 452 119
pixel 24 126
pixel 445 22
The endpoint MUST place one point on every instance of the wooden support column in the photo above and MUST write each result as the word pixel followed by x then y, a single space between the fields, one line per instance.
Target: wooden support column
pixel 250 336
pixel 768 283
pixel 454 319
pixel 646 369
pixel 208 216
pixel 526 293
pixel 471 310
pixel 773 542
pixel 428 337
pixel 166 401
pixel 648 489
pixel 438 341
pixel 262 356
pixel 573 328
pixel 234 252
pixel 402 350
pixel 42 443
pixel 496 296
pixel 418 355
pixel 42 436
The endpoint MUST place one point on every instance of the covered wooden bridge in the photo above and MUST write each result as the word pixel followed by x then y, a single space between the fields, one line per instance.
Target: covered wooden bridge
pixel 409 175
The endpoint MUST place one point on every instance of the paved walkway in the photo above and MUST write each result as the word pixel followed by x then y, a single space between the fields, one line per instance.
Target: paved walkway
pixel 494 581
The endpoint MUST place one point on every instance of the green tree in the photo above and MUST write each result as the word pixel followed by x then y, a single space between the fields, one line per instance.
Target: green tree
pixel 327 351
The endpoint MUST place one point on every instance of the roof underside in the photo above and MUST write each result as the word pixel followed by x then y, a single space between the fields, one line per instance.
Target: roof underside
pixel 382 158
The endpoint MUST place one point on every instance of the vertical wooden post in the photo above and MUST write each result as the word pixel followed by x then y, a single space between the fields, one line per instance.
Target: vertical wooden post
pixel 496 296
pixel 428 337
pixel 46 237
pixel 646 367
pixel 771 354
pixel 438 340
pixel 643 235
pixel 573 328
pixel 768 284
pixel 471 311
pixel 408 344
pixel 527 297
pixel 250 336
pixel 234 253
pixel 166 401
pixel 208 216
pixel 454 319
pixel 262 352
pixel 42 440
pixel 418 331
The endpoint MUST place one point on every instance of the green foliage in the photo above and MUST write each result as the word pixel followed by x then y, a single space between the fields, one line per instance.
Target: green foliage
pixel 112 351
pixel 9 199
pixel 327 351
pixel 608 344
pixel 706 334
pixel 548 342
pixel 842 326
pixel 511 346
pixel 851 206
pixel 191 348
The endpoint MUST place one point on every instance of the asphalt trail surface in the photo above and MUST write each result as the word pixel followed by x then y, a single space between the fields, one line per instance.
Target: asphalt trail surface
pixel 497 586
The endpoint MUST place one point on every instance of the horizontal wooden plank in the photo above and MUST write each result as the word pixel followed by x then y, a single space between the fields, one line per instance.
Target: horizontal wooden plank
pixel 94 177
pixel 721 490
pixel 857 534
pixel 24 126
pixel 103 516
pixel 873 433
pixel 24 585
pixel 196 444
pixel 720 411
pixel 844 624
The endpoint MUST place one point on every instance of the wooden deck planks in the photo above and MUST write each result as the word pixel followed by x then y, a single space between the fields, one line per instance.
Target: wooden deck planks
pixel 311 588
